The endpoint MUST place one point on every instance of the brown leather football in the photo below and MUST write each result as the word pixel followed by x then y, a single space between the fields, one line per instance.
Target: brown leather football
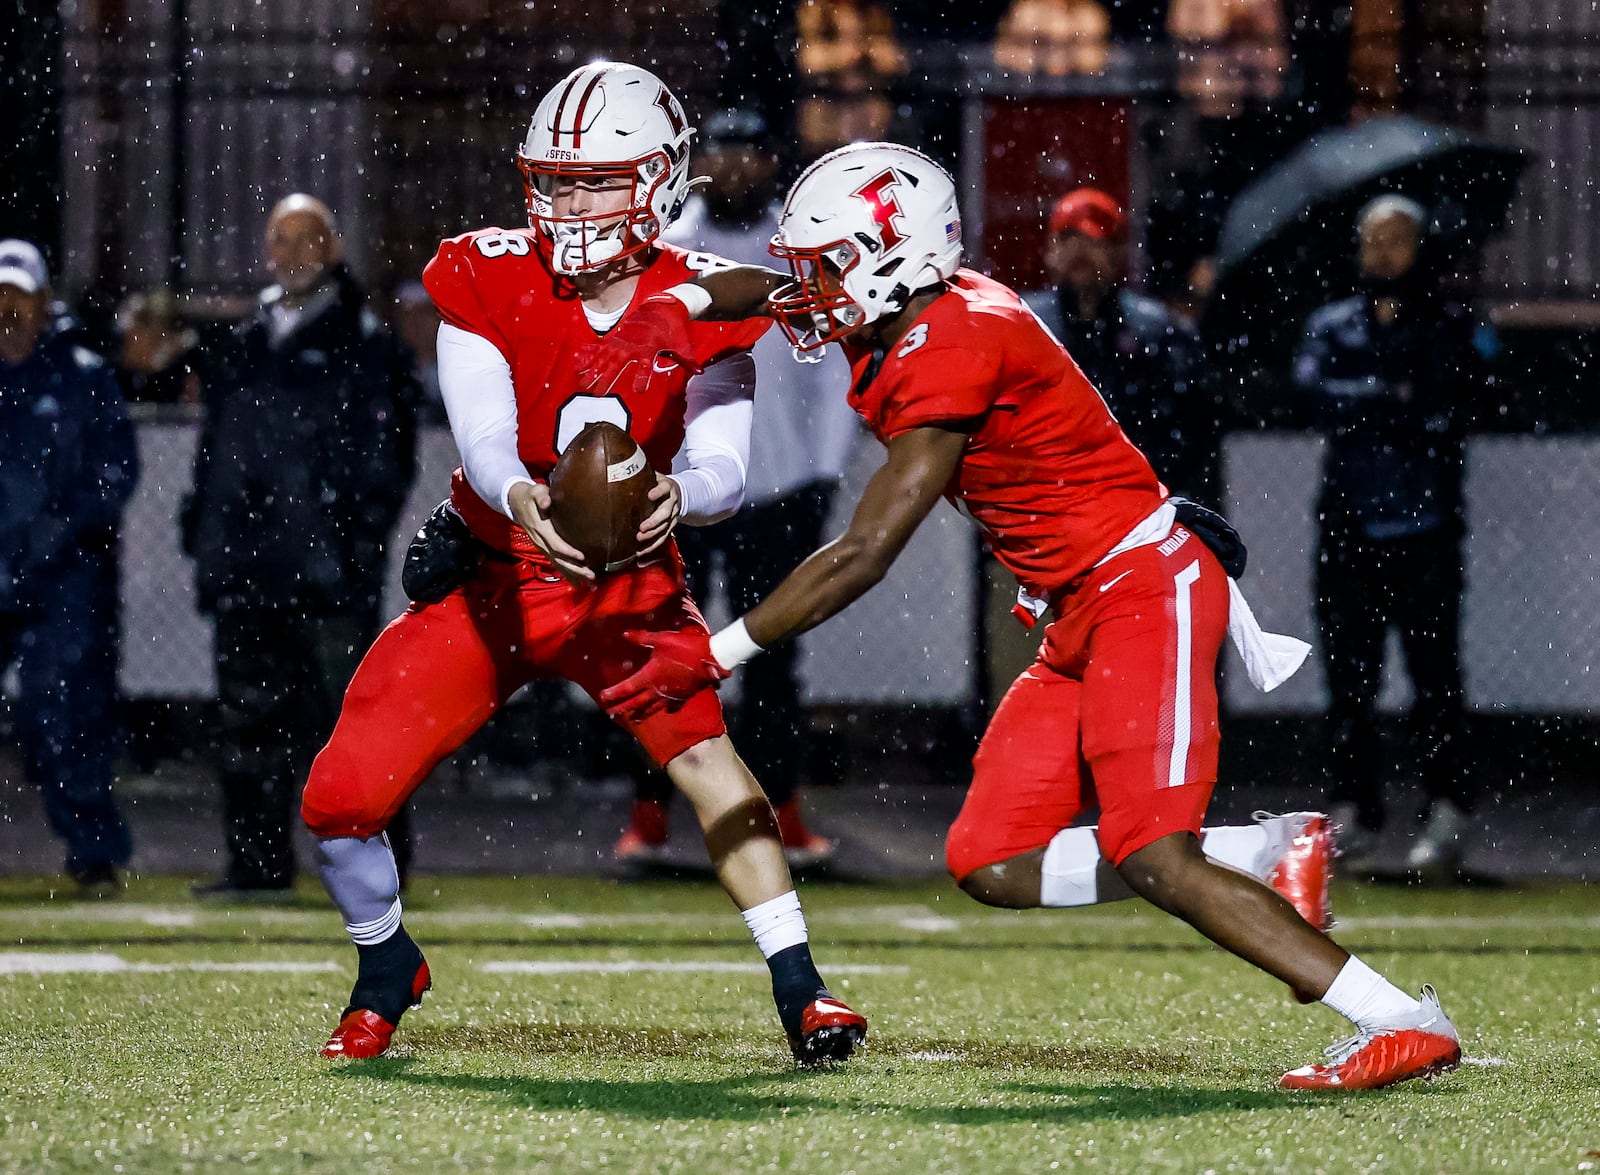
pixel 598 494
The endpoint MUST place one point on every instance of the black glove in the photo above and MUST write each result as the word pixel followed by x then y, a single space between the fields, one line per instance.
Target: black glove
pixel 1216 532
pixel 442 557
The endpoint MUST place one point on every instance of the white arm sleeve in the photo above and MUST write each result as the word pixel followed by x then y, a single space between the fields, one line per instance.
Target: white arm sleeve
pixel 711 467
pixel 475 381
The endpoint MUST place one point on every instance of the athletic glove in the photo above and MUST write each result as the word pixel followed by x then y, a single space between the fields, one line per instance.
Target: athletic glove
pixel 680 666
pixel 443 556
pixel 630 352
pixel 1214 531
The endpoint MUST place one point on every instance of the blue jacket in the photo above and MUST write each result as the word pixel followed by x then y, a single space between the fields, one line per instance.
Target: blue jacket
pixel 68 463
pixel 1394 401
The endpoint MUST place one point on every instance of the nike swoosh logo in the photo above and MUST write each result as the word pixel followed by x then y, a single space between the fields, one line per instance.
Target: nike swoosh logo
pixel 828 1007
pixel 671 365
pixel 1111 583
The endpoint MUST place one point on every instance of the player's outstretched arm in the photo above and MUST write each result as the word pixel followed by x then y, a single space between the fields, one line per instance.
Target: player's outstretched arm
pixel 660 325
pixel 737 293
pixel 920 465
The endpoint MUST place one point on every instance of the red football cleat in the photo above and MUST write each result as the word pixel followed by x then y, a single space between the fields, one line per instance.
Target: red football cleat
pixel 829 1031
pixel 1303 869
pixel 362 1034
pixel 1425 1045
pixel 646 835
pixel 801 846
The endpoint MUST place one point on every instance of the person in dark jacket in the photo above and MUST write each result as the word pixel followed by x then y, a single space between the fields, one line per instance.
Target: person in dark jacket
pixel 1145 361
pixel 67 466
pixel 1390 375
pixel 305 462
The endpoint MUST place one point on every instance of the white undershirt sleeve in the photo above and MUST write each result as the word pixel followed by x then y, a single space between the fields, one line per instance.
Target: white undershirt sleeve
pixel 479 399
pixel 716 439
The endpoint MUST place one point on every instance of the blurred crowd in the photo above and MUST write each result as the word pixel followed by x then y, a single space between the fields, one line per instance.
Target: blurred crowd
pixel 312 400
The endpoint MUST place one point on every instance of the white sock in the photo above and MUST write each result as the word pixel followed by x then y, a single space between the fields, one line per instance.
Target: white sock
pixel 380 929
pixel 1243 848
pixel 777 924
pixel 1073 873
pixel 1365 998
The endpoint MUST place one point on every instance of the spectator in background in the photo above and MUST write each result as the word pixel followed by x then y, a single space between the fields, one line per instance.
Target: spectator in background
pixel 1053 37
pixel 1145 361
pixel 305 462
pixel 155 356
pixel 417 323
pixel 801 438
pixel 67 467
pixel 1390 373
pixel 848 56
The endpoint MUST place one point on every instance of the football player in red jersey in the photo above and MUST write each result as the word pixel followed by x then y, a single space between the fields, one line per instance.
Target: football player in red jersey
pixel 977 403
pixel 606 164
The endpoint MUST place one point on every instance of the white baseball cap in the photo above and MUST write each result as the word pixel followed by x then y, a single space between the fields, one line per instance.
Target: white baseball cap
pixel 21 265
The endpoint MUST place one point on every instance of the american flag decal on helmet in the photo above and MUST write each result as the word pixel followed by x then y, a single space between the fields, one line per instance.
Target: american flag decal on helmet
pixel 952 232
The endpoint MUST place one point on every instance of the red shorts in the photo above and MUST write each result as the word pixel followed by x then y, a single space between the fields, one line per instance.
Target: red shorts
pixel 437 673
pixel 1120 709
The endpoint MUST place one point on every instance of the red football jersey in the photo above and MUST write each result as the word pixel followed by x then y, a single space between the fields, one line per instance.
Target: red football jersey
pixel 1047 473
pixel 493 283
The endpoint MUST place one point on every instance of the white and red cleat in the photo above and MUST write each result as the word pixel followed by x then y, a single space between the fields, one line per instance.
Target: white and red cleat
pixel 1300 867
pixel 829 1031
pixel 363 1034
pixel 1426 1044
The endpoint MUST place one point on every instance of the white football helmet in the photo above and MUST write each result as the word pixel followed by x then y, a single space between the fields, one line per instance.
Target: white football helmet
pixel 606 119
pixel 864 228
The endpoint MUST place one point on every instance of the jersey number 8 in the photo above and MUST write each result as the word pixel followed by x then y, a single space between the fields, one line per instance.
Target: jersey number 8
pixel 499 244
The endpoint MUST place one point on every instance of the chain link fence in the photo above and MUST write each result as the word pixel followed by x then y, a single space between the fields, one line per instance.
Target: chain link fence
pixel 910 641
pixel 1530 644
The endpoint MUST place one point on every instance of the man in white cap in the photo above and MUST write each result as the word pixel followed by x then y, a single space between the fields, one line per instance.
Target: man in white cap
pixel 67 467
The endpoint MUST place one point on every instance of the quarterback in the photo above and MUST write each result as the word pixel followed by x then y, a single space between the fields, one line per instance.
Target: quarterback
pixel 606 167
pixel 977 403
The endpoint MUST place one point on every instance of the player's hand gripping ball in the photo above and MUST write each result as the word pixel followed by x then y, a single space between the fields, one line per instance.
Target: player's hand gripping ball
pixel 599 494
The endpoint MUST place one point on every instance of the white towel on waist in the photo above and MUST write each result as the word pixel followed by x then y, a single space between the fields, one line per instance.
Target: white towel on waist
pixel 1270 658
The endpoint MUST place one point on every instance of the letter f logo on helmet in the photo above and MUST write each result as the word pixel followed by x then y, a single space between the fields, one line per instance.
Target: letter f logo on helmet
pixel 882 207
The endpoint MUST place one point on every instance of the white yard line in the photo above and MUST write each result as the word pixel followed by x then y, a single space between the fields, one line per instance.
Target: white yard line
pixel 95 963
pixel 915 917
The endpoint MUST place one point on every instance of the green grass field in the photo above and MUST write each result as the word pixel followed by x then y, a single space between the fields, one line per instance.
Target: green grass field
pixel 149 1034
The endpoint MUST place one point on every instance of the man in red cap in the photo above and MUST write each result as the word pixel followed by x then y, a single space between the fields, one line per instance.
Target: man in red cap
pixel 1145 360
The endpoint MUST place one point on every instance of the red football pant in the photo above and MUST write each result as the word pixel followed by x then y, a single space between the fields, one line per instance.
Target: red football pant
pixel 439 671
pixel 1119 709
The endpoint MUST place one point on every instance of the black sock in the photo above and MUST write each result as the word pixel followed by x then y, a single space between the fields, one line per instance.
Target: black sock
pixel 385 976
pixel 795 983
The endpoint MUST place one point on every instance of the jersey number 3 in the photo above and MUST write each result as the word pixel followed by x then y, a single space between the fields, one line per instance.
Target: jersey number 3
pixel 913 339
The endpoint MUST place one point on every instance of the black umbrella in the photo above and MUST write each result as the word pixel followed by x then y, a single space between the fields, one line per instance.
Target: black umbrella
pixel 1288 238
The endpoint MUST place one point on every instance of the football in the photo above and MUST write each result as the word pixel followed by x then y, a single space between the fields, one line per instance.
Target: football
pixel 598 494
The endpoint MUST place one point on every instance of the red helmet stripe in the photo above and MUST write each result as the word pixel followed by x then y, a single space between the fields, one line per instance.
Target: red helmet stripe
pixel 555 123
pixel 577 119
